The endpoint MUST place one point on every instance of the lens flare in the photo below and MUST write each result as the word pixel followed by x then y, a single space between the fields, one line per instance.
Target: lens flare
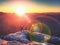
pixel 41 28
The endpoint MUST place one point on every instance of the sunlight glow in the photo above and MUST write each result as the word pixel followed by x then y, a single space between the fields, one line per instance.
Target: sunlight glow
pixel 20 10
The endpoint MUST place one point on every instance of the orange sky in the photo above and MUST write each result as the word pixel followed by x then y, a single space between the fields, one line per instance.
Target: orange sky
pixel 29 7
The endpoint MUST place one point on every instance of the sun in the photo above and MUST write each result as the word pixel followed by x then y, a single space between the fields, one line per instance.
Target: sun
pixel 20 10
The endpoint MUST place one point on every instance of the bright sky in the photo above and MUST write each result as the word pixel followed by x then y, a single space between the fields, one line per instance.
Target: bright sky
pixel 30 7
